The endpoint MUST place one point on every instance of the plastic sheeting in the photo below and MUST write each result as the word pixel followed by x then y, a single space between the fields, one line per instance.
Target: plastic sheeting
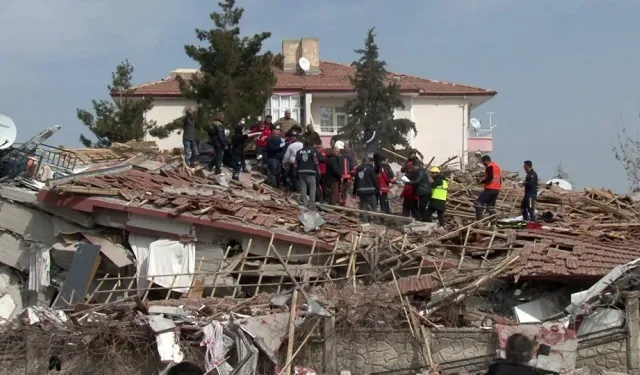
pixel 39 268
pixel 170 264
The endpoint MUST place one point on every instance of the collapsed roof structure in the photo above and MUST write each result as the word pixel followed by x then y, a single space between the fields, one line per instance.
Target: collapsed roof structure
pixel 128 252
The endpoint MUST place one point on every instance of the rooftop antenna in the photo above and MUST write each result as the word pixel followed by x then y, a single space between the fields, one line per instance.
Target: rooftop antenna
pixel 490 119
pixel 8 132
pixel 304 63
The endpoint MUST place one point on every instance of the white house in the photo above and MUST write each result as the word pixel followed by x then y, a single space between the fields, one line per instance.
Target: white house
pixel 440 110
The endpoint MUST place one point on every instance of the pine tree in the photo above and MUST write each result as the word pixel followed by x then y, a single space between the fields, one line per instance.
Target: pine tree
pixel 375 101
pixel 121 122
pixel 235 78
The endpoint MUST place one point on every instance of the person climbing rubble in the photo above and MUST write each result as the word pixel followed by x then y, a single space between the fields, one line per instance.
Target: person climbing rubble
pixel 439 194
pixel 492 183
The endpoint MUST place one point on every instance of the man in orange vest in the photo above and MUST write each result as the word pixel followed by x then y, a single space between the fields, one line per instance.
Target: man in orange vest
pixel 492 182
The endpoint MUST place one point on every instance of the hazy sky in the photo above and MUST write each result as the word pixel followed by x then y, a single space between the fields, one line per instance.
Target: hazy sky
pixel 565 70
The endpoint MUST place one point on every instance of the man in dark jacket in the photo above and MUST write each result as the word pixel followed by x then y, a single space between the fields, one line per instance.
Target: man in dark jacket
pixel 189 138
pixel 307 170
pixel 419 179
pixel 238 140
pixel 218 142
pixel 519 350
pixel 312 136
pixel 367 187
pixel 528 204
pixel 275 152
pixel 333 176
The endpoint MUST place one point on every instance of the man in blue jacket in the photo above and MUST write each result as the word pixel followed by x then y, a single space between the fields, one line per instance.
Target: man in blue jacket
pixel 275 153
pixel 528 204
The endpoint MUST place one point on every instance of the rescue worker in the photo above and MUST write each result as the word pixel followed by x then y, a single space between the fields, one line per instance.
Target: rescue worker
pixel 321 192
pixel 312 135
pixel 275 152
pixel 366 187
pixel 492 182
pixel 306 171
pixel 386 178
pixel 289 160
pixel 409 205
pixel 261 141
pixel 334 173
pixel 347 167
pixel 528 204
pixel 238 140
pixel 439 193
pixel 421 188
pixel 189 137
pixel 519 350
pixel 286 123
pixel 217 141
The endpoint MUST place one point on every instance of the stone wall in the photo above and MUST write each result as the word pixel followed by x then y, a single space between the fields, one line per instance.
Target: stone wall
pixel 602 352
pixel 381 350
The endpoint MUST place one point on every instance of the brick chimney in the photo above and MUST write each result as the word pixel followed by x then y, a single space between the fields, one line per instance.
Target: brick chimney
pixel 293 50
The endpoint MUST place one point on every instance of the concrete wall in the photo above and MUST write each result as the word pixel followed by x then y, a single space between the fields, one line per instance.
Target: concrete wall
pixel 371 351
pixel 163 112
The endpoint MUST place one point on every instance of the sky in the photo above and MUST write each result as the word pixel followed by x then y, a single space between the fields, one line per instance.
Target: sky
pixel 566 71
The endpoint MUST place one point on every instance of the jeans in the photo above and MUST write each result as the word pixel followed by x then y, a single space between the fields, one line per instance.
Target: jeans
pixel 528 207
pixel 190 151
pixel 367 203
pixel 384 203
pixel 274 165
pixel 486 198
pixel 307 184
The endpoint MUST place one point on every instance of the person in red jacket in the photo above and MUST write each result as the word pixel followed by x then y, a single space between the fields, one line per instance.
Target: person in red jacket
pixel 261 140
pixel 385 177
pixel 409 201
pixel 322 166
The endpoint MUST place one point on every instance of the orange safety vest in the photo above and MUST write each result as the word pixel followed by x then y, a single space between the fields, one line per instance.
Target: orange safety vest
pixel 496 183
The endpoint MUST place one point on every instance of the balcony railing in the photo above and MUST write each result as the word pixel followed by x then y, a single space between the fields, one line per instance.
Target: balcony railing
pixel 481 133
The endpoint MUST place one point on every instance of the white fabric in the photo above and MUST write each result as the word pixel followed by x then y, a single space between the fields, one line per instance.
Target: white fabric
pixel 140 246
pixel 159 260
pixel 39 268
pixel 167 258
pixel 214 341
pixel 405 179
pixel 290 154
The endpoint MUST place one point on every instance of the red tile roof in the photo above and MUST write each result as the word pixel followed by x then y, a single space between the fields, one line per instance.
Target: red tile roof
pixel 334 77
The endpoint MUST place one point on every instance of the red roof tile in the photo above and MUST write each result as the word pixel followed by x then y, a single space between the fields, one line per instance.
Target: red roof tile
pixel 334 77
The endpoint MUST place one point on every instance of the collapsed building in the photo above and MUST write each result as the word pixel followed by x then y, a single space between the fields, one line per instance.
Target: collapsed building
pixel 125 259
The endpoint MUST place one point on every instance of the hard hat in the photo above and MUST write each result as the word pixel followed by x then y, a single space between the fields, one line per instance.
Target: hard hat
pixel 434 170
pixel 339 145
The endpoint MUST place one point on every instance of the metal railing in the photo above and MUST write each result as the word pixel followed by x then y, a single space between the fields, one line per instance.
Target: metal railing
pixel 481 133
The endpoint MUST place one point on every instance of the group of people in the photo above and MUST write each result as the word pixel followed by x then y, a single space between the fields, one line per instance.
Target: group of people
pixel 296 160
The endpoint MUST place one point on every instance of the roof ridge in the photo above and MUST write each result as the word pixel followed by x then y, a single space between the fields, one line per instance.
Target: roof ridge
pixel 151 83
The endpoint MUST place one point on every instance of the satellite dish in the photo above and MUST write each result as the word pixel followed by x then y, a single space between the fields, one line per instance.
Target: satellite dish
pixel 475 123
pixel 8 132
pixel 562 184
pixel 304 63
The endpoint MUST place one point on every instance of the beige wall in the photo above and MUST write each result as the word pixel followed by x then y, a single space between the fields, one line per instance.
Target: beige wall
pixel 442 127
pixel 163 112
pixel 318 102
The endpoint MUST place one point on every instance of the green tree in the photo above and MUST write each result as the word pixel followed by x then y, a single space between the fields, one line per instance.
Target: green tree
pixel 235 77
pixel 375 101
pixel 121 121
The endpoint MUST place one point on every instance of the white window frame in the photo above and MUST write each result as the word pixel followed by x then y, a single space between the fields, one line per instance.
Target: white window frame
pixel 335 113
pixel 278 104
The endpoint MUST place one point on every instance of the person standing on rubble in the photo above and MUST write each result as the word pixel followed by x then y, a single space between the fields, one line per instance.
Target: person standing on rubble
pixel 217 142
pixel 334 174
pixel 321 191
pixel 286 123
pixel 238 140
pixel 519 351
pixel 367 187
pixel 306 169
pixel 409 204
pixel 289 160
pixel 386 178
pixel 492 182
pixel 421 187
pixel 439 193
pixel 528 204
pixel 275 152
pixel 347 166
pixel 189 138
pixel 261 142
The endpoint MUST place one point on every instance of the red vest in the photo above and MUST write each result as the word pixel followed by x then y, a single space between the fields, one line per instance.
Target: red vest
pixel 496 183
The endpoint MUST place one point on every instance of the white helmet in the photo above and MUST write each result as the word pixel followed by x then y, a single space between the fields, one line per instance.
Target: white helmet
pixel 339 145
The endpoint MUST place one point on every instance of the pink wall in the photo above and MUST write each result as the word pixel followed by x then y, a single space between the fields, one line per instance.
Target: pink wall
pixel 326 140
pixel 479 144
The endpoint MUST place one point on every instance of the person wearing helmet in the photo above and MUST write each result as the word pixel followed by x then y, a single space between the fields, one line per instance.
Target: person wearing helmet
pixel 439 192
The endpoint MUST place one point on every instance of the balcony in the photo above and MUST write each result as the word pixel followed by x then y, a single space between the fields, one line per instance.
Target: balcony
pixel 480 140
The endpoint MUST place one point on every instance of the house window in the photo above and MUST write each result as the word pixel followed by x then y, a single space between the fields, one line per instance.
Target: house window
pixel 280 103
pixel 332 119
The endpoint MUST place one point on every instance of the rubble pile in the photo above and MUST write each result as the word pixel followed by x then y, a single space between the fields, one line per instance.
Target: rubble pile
pixel 137 253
